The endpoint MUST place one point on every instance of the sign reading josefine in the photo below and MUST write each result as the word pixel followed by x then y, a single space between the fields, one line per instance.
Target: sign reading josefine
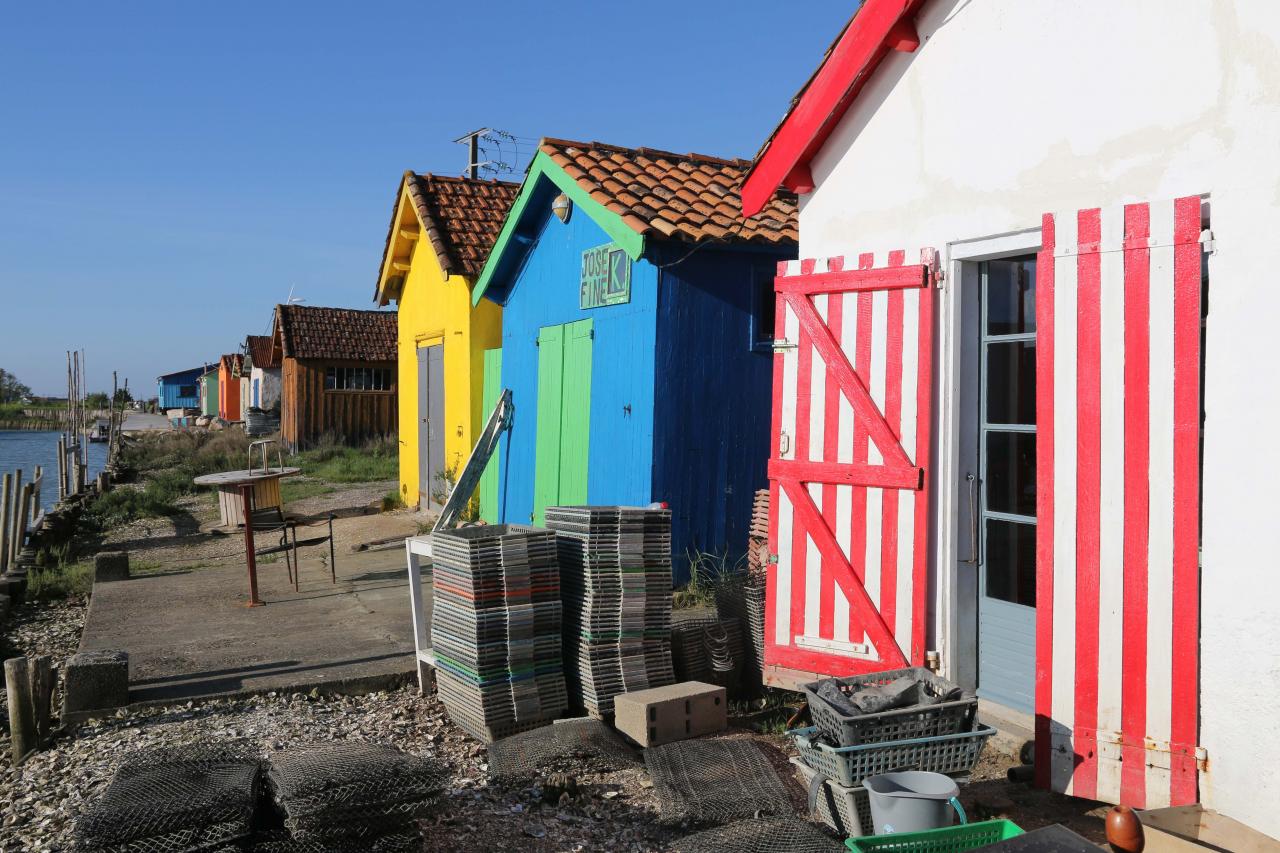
pixel 606 277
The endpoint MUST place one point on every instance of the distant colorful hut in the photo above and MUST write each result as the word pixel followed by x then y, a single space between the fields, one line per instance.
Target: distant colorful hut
pixel 179 390
pixel 338 373
pixel 229 387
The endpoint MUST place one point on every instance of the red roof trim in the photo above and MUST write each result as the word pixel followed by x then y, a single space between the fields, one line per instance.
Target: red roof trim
pixel 878 27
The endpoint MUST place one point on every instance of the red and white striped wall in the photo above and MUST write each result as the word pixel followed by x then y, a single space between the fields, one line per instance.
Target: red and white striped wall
pixel 1118 421
pixel 849 485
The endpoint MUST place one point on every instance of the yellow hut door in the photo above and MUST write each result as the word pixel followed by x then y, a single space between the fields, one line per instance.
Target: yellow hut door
pixel 432 489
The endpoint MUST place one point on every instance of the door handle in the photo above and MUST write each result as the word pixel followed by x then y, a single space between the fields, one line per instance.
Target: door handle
pixel 972 479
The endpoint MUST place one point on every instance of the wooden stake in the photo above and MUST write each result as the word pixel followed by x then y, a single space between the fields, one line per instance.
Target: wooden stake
pixel 15 503
pixel 22 724
pixel 6 499
pixel 36 485
pixel 41 677
pixel 20 527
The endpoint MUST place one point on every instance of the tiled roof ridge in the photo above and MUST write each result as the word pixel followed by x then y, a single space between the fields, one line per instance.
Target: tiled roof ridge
pixel 459 179
pixel 652 153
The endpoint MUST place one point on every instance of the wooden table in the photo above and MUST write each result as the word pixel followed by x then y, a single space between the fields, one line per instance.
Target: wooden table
pixel 266 490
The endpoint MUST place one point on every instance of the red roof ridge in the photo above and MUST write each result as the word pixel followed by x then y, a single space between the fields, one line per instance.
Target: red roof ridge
pixel 876 28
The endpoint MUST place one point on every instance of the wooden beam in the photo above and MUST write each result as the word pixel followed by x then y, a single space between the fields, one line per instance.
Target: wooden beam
pixel 410 233
pixel 400 266
pixel 902 36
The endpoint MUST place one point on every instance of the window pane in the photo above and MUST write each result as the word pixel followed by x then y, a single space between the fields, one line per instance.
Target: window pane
pixel 1011 296
pixel 1010 562
pixel 1011 382
pixel 330 379
pixel 1011 472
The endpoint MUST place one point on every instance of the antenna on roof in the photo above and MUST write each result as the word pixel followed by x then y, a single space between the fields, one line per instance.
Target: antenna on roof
pixel 293 300
pixel 472 140
pixel 489 150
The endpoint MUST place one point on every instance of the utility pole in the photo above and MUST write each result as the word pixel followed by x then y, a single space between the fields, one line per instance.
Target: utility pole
pixel 472 140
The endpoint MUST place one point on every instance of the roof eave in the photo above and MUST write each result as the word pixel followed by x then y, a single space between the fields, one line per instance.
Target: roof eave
pixel 877 28
pixel 627 238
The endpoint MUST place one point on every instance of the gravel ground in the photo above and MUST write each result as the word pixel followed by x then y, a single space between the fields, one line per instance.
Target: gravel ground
pixel 41 800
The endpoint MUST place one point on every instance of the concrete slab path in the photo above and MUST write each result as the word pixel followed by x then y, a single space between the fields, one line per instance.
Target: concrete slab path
pixel 190 634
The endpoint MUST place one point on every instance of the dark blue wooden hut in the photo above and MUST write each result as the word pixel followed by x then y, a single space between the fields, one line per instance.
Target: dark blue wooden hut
pixel 637 338
pixel 180 390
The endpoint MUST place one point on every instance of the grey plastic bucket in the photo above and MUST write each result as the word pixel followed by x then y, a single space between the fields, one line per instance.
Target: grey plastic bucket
pixel 912 801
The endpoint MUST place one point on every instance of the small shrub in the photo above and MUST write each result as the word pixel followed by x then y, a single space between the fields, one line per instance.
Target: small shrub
pixel 392 501
pixel 60 581
pixel 706 571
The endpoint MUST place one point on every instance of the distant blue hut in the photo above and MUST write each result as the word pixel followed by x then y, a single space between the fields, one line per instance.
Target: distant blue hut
pixel 637 339
pixel 180 390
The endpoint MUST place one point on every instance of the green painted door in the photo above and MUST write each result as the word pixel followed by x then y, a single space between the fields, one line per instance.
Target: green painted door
pixel 564 413
pixel 489 399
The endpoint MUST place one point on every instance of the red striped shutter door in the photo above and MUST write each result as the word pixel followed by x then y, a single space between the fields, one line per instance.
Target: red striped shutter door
pixel 849 474
pixel 1118 426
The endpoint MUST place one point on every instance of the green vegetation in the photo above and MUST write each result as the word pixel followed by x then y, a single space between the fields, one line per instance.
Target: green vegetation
pixel 60 581
pixel 12 390
pixel 392 500
pixel 706 571
pixel 378 459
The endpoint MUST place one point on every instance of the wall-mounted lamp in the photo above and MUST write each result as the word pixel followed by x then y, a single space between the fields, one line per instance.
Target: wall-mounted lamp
pixel 562 207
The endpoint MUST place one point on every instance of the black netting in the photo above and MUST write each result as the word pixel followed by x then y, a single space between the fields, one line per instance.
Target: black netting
pixel 280 841
pixel 715 781
pixel 353 790
pixel 175 800
pixel 567 746
pixel 763 835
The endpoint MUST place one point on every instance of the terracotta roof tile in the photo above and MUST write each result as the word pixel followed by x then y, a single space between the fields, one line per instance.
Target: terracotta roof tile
pixel 460 216
pixel 683 196
pixel 259 349
pixel 338 334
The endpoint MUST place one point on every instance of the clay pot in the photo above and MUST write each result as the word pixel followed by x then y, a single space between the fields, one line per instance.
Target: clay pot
pixel 1124 830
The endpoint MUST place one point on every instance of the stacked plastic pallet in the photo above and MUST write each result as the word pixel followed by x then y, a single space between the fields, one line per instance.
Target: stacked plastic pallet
pixel 615 576
pixel 496 628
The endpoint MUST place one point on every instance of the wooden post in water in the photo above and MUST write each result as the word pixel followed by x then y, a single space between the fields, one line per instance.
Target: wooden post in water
pixel 41 678
pixel 20 526
pixel 6 500
pixel 22 724
pixel 36 485
pixel 15 504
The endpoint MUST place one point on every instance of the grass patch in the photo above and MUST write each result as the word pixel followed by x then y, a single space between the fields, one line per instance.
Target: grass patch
pixel 706 571
pixel 337 463
pixel 60 581
pixel 392 501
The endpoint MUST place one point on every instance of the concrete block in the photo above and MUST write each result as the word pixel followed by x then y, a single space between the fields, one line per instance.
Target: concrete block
pixel 96 681
pixel 110 566
pixel 664 714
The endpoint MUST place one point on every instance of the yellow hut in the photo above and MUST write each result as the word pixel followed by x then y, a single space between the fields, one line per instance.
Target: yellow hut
pixel 441 232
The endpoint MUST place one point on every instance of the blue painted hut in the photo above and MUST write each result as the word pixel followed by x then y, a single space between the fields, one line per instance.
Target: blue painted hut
pixel 637 339
pixel 180 390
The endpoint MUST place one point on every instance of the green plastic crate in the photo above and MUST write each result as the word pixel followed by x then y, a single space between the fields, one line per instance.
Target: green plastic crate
pixel 949 839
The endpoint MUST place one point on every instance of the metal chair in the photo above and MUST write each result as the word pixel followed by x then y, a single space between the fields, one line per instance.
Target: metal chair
pixel 273 520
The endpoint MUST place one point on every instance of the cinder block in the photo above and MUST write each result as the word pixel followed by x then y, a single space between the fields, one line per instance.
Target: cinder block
pixel 111 566
pixel 664 714
pixel 96 681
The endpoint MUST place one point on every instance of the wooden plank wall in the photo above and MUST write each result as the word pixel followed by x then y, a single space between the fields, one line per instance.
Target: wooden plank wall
pixel 308 411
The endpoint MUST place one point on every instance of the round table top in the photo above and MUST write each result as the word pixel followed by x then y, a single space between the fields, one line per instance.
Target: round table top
pixel 239 478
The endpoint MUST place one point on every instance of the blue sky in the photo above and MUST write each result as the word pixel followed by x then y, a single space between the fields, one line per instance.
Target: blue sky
pixel 169 170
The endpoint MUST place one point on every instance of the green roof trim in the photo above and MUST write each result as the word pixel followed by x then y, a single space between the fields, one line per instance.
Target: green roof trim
pixel 543 166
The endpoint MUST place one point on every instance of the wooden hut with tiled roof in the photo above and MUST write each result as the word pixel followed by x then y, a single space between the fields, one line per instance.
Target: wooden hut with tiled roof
pixel 638 328
pixel 337 373
pixel 441 232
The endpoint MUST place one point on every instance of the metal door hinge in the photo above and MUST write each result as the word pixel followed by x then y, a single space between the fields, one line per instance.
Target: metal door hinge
pixel 784 444
pixel 782 344
pixel 1207 243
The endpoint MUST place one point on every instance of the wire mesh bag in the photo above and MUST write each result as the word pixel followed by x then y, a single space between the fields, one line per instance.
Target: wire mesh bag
pixel 280 841
pixel 714 781
pixel 353 790
pixel 583 745
pixel 763 835
pixel 186 799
